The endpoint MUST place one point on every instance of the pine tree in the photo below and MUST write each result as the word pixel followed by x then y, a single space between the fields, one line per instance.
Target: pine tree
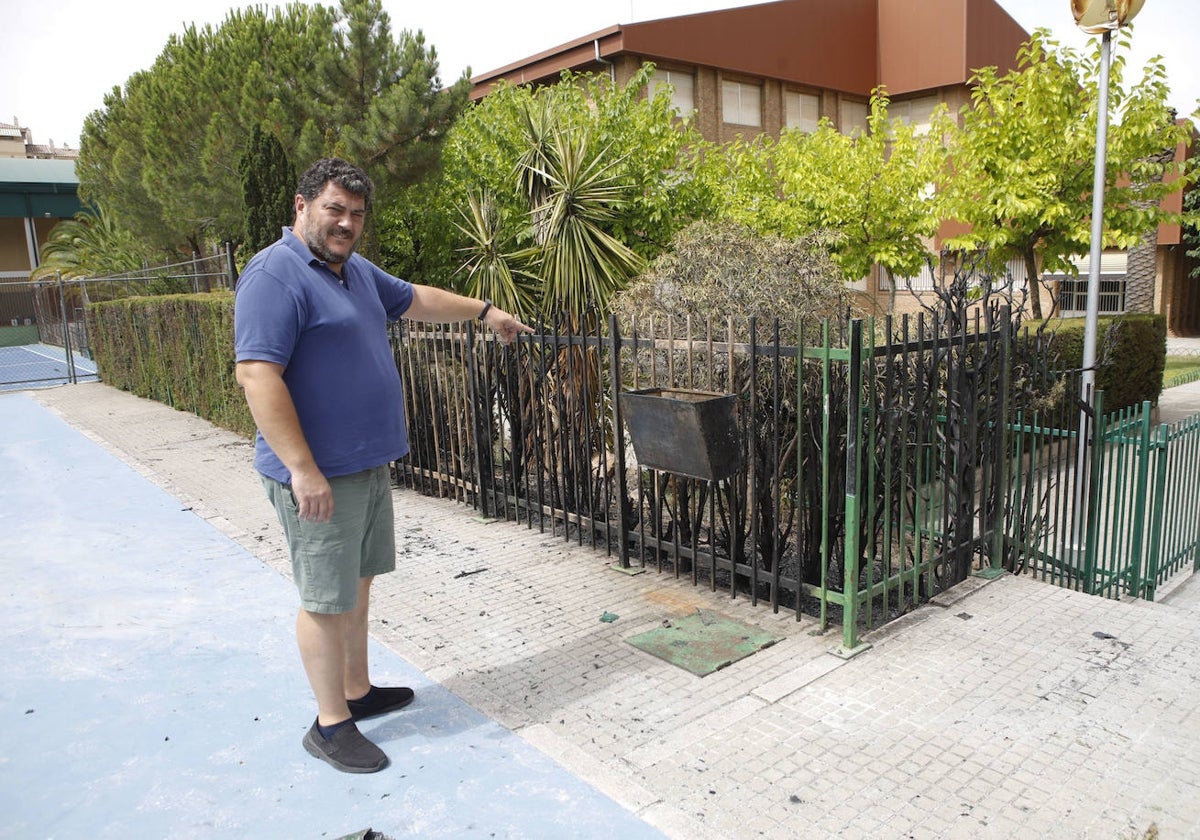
pixel 379 101
pixel 268 189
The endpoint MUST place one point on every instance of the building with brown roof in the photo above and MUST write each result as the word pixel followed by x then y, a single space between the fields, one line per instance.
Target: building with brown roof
pixel 16 141
pixel 761 68
pixel 786 64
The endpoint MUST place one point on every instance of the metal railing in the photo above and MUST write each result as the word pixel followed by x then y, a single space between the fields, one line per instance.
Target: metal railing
pixel 44 346
pixel 878 463
pixel 864 488
pixel 1141 525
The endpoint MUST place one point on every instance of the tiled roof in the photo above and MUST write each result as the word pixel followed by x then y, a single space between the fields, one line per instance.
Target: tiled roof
pixel 15 131
pixel 40 150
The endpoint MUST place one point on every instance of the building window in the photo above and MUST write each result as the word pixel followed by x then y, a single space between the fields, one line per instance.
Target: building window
pixel 1015 271
pixel 930 277
pixel 741 103
pixel 1072 295
pixel 923 282
pixel 682 86
pixel 917 113
pixel 1073 289
pixel 802 111
pixel 852 117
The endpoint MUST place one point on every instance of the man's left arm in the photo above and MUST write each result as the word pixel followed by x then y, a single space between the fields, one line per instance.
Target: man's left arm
pixel 440 306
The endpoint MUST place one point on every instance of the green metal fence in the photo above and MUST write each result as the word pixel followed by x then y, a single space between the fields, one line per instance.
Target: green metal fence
pixel 1138 513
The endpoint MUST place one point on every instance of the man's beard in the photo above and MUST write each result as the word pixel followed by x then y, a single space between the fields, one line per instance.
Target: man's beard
pixel 322 252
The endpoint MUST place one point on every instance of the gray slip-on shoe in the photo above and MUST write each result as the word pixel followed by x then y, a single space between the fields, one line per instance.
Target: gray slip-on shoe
pixel 348 750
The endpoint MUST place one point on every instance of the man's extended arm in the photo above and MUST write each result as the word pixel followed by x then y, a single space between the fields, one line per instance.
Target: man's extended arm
pixel 440 306
pixel 275 415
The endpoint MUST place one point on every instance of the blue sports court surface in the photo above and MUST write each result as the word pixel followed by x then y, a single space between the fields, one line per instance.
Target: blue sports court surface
pixel 42 366
pixel 150 685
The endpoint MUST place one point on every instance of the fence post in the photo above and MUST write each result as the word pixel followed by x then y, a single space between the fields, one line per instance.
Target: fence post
pixel 851 646
pixel 66 330
pixel 826 490
pixel 999 513
pixel 1159 508
pixel 1094 439
pixel 614 361
pixel 230 266
pixel 1139 507
pixel 195 272
pixel 479 419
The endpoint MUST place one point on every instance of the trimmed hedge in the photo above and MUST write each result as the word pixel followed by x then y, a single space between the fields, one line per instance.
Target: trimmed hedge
pixel 176 349
pixel 1131 352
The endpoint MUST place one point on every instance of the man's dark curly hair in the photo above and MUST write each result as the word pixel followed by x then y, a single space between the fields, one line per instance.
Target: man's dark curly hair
pixel 346 175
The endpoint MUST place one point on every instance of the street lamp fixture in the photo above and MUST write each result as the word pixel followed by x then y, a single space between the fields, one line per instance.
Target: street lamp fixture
pixel 1096 17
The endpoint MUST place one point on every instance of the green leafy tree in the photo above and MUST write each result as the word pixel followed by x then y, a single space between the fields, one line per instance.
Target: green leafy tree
pixel 1024 156
pixel 379 101
pixel 268 190
pixel 873 191
pixel 162 153
pixel 109 165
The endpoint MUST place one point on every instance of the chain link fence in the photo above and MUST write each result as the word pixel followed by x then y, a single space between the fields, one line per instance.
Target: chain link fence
pixel 43 329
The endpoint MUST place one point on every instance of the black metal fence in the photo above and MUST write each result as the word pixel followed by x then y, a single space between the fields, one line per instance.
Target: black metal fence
pixel 870 457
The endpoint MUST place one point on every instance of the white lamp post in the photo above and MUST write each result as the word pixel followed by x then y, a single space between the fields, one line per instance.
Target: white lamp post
pixel 1096 17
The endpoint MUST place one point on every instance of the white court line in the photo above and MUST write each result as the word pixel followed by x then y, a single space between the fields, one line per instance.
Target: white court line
pixel 82 366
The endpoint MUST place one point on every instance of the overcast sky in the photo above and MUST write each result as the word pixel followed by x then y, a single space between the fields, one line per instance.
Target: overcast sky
pixel 62 56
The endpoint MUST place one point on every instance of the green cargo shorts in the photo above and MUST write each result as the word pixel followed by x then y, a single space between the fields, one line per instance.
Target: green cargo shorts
pixel 329 558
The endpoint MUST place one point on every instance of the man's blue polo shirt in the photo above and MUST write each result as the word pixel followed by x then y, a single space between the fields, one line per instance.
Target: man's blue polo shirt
pixel 331 339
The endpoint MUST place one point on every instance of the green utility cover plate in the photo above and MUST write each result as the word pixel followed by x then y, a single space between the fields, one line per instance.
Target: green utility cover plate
pixel 703 642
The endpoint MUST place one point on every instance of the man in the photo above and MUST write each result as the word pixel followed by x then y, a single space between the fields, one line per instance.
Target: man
pixel 319 377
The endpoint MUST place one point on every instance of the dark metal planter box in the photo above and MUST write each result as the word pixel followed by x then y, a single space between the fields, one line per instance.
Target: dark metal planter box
pixel 691 433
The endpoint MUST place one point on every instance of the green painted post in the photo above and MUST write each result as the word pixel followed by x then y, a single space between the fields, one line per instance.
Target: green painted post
pixel 1158 515
pixel 851 646
pixel 1139 509
pixel 1091 528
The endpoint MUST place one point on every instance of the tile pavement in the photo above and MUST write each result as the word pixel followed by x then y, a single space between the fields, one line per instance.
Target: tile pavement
pixel 997 712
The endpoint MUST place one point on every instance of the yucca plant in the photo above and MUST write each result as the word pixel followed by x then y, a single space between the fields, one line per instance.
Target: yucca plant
pixel 574 189
pixel 496 267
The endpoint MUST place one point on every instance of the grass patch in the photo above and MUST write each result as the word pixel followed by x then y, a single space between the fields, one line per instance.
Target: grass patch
pixel 1180 370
